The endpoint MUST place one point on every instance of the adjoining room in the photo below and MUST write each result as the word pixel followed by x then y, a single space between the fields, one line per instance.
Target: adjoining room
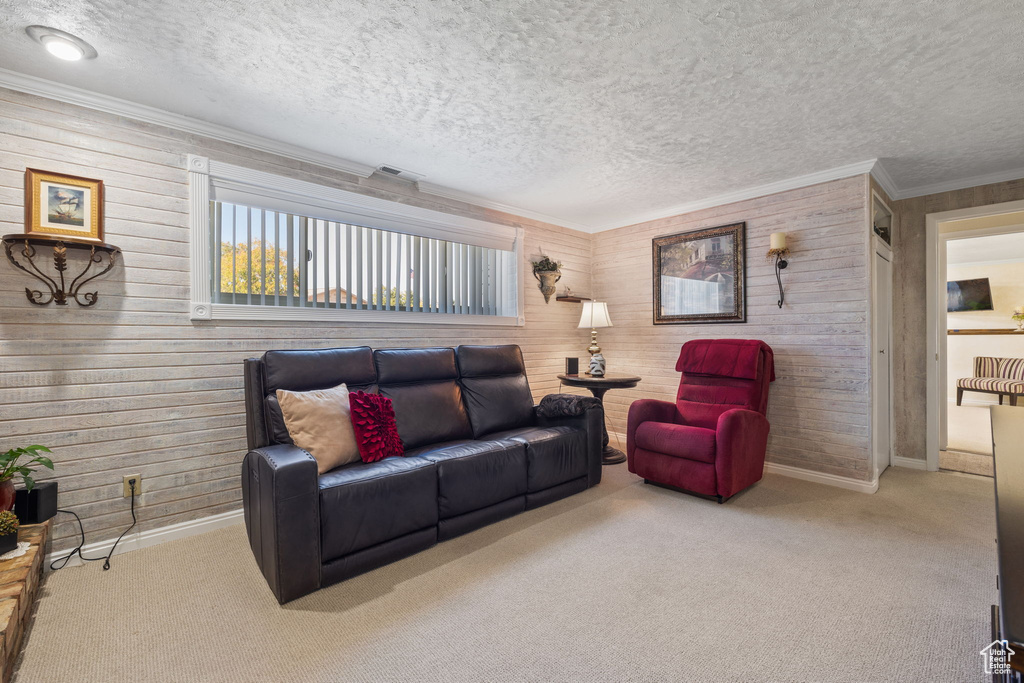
pixel 511 341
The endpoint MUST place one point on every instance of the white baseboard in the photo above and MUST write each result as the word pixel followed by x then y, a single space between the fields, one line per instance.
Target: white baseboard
pixel 794 472
pixel 822 478
pixel 909 463
pixel 144 539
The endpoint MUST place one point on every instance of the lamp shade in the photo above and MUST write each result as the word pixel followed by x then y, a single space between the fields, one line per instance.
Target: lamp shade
pixel 777 240
pixel 595 314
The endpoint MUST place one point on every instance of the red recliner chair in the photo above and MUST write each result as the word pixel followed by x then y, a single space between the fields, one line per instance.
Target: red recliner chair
pixel 712 440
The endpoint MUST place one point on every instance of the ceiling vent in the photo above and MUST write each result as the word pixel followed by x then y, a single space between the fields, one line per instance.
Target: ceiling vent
pixel 396 172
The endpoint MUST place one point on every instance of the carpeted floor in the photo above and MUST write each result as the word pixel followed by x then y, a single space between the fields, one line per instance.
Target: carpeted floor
pixel 789 581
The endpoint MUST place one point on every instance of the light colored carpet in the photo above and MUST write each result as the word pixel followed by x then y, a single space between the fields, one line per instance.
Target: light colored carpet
pixel 789 581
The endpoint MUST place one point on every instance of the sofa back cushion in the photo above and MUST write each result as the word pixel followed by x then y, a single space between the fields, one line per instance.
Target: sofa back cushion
pixel 494 388
pixel 308 370
pixel 986 366
pixel 720 375
pixel 424 390
pixel 1011 368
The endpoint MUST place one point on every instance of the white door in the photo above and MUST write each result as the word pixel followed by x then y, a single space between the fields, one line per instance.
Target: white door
pixel 882 367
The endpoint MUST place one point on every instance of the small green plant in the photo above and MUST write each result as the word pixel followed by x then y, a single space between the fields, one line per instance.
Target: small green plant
pixel 546 265
pixel 8 523
pixel 10 465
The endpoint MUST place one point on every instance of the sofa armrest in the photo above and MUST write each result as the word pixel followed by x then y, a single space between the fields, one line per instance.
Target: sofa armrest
pixel 646 410
pixel 280 488
pixel 584 412
pixel 741 440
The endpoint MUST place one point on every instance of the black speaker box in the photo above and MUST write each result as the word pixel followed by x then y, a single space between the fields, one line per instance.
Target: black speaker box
pixel 38 505
pixel 572 366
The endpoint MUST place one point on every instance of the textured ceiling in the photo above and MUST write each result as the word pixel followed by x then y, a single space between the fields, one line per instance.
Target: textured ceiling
pixel 590 112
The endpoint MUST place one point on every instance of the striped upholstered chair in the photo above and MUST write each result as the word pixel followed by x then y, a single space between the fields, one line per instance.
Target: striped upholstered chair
pixel 1003 376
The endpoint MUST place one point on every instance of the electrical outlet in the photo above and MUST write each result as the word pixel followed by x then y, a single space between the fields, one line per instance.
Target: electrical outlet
pixel 128 487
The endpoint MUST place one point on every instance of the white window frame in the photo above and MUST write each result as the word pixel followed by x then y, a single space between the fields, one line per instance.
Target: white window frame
pixel 209 178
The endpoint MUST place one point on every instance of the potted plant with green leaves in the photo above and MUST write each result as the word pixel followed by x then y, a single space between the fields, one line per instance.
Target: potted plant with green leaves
pixel 8 531
pixel 547 272
pixel 23 461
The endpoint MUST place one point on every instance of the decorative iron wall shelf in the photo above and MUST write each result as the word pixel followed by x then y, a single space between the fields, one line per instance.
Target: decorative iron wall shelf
pixel 21 251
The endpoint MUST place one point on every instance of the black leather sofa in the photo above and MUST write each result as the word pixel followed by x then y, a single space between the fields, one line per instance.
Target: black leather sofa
pixel 477 451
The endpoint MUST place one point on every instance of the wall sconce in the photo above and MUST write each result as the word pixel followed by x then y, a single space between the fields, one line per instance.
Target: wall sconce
pixel 777 248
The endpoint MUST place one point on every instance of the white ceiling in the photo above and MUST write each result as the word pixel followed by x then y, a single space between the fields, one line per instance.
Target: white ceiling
pixel 991 249
pixel 593 113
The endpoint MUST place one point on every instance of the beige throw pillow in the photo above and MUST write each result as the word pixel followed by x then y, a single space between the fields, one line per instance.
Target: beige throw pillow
pixel 320 422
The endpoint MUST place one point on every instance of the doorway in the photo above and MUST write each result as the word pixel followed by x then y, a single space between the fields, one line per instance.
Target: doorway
pixel 975 281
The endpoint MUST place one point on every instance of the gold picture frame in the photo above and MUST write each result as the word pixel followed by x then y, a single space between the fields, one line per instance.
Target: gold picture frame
pixel 59 205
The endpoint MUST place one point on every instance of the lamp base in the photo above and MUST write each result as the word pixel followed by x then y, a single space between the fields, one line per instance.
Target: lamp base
pixel 597 365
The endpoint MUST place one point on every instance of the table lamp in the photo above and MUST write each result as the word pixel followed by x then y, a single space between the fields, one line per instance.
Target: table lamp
pixel 595 315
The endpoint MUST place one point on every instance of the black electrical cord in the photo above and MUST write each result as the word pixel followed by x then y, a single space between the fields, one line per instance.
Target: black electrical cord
pixel 78 549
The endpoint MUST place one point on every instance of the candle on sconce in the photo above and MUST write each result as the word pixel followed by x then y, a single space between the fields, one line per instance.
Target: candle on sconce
pixel 777 240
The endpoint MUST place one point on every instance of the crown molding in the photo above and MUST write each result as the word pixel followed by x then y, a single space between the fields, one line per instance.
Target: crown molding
pixel 961 184
pixel 884 180
pixel 794 183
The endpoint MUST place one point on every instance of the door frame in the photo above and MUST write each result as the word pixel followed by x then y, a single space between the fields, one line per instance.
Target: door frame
pixel 935 312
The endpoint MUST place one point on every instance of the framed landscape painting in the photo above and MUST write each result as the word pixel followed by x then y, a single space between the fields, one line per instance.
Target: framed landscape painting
pixel 699 276
pixel 63 206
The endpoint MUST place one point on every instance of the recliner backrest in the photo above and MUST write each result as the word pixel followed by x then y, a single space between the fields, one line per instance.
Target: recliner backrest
pixel 720 375
pixel 424 390
pixel 310 369
pixel 494 388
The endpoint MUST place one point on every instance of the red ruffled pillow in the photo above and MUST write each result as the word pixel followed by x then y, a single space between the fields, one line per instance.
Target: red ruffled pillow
pixel 373 419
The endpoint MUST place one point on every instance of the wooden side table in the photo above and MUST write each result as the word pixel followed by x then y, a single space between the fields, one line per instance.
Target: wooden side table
pixel 19 585
pixel 598 386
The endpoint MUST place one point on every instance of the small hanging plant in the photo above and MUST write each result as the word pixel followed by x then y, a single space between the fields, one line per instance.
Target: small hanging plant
pixel 546 265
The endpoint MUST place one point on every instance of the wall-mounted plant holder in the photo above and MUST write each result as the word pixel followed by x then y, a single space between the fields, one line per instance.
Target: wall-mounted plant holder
pixel 547 272
pixel 22 253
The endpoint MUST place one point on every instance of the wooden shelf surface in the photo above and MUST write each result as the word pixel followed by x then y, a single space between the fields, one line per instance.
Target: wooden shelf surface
pixel 982 331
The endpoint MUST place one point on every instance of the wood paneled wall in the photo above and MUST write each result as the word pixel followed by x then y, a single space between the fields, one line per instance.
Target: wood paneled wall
pixel 910 333
pixel 819 406
pixel 132 385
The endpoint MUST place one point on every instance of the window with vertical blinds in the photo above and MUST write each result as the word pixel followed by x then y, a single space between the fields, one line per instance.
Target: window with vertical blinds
pixel 264 257
pixel 271 247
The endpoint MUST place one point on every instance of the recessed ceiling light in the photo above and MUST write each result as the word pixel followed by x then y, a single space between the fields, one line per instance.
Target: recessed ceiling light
pixel 61 44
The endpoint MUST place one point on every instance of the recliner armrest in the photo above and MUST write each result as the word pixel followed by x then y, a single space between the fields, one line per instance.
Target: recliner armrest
pixel 646 410
pixel 741 439
pixel 584 412
pixel 280 488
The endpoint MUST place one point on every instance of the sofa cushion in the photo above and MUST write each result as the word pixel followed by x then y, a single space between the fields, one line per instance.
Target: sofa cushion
pixel 401 366
pixel 421 384
pixel 681 441
pixel 472 475
pixel 310 369
pixel 554 455
pixel 320 423
pixel 994 384
pixel 494 388
pixel 364 504
pixel 428 413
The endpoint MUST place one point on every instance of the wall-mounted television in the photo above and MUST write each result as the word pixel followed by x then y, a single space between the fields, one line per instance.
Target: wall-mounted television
pixel 968 295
